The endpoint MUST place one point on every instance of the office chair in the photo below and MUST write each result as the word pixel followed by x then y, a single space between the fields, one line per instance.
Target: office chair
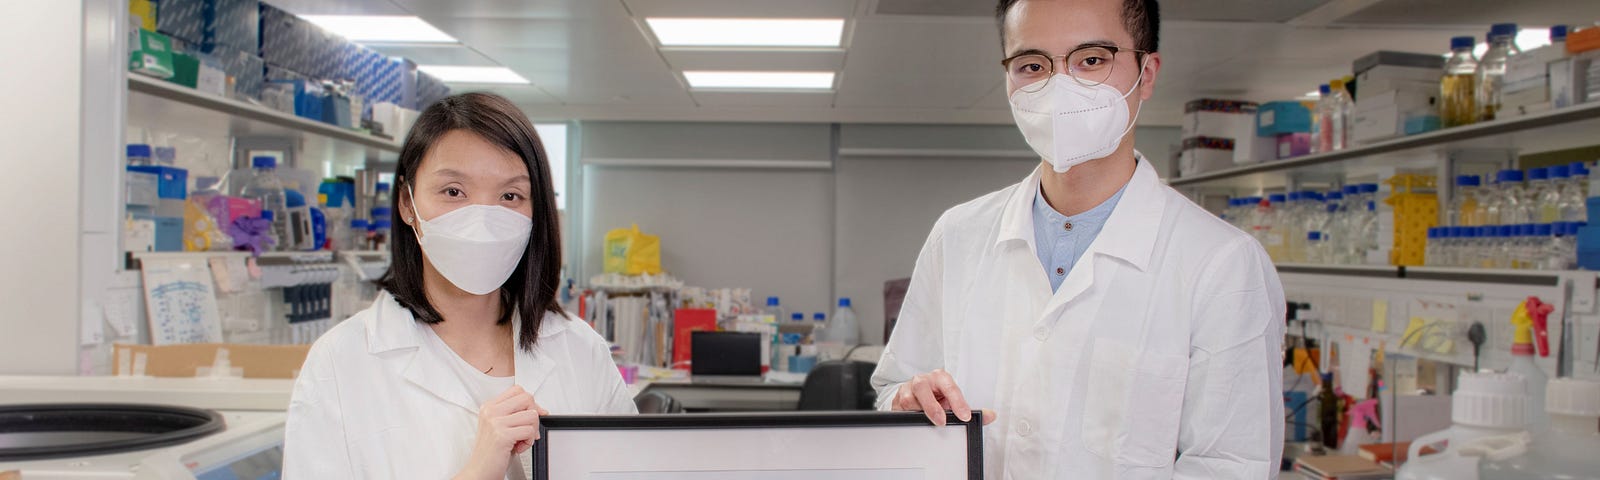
pixel 839 385
pixel 657 402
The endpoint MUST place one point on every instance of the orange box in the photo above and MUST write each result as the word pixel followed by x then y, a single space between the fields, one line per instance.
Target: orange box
pixel 257 361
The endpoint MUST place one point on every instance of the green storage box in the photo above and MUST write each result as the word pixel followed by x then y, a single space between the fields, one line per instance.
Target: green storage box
pixel 151 55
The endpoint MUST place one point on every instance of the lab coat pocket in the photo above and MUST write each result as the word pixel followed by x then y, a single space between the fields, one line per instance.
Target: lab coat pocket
pixel 1133 403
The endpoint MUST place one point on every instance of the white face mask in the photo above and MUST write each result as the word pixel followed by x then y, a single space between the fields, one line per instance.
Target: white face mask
pixel 1068 123
pixel 475 247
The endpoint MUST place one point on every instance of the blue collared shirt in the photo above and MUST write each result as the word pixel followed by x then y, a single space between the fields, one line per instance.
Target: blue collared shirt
pixel 1060 240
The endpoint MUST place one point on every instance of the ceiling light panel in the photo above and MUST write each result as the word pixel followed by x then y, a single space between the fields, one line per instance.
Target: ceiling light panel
pixel 459 74
pixel 747 32
pixel 759 80
pixel 381 28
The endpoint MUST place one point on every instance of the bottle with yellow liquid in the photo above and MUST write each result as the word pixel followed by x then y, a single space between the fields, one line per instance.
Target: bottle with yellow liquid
pixel 1457 92
pixel 1492 68
pixel 1464 209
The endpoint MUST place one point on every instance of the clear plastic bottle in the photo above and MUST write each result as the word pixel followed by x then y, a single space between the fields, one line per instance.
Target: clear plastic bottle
pixel 1369 218
pixel 775 309
pixel 1540 244
pixel 1343 114
pixel 1272 228
pixel 382 203
pixel 1506 206
pixel 1431 251
pixel 844 328
pixel 1293 222
pixel 1580 177
pixel 1316 251
pixel 1567 450
pixel 139 155
pixel 1534 192
pixel 265 187
pixel 1464 202
pixel 1455 244
pixel 1573 203
pixel 1336 230
pixel 1551 201
pixel 1322 121
pixel 357 239
pixel 1492 68
pixel 1457 97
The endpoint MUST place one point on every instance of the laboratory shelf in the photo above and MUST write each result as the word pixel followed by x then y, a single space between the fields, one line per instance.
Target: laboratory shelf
pixel 1446 274
pixel 1539 132
pixel 159 104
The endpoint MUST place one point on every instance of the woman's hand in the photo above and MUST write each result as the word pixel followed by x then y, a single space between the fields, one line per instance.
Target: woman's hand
pixel 507 426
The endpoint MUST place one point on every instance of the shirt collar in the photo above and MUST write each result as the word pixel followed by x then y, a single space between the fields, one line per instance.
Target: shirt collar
pixel 1130 231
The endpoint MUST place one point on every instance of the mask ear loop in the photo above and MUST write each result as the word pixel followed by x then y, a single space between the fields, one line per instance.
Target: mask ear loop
pixel 1136 110
pixel 417 217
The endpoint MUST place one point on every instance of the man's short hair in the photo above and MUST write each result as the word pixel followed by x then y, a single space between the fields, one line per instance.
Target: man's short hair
pixel 1142 19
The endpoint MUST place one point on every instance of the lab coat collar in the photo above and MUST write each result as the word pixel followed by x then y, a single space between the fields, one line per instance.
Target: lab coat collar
pixel 1130 232
pixel 394 328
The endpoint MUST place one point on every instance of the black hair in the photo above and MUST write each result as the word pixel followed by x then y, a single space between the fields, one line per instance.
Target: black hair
pixel 1142 19
pixel 531 290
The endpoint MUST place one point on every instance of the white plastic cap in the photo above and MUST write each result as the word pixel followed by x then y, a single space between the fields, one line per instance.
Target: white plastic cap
pixel 1491 400
pixel 1566 396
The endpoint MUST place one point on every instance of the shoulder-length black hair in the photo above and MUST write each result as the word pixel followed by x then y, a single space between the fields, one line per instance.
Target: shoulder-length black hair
pixel 531 290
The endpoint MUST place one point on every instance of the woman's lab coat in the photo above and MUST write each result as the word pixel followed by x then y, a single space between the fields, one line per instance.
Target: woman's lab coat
pixel 370 403
pixel 1163 340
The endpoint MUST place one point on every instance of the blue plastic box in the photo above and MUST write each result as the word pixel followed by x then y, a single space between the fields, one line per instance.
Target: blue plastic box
pixel 1277 118
pixel 171 182
pixel 169 234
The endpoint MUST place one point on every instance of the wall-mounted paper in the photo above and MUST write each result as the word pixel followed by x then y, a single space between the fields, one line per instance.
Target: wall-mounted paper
pixel 180 302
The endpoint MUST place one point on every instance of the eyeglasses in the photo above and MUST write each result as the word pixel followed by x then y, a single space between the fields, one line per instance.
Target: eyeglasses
pixel 1089 65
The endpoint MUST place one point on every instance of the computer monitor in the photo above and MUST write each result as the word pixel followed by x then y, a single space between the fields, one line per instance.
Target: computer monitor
pixel 725 354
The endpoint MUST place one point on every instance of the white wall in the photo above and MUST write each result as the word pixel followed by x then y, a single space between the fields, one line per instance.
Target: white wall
pixel 744 222
pixel 39 193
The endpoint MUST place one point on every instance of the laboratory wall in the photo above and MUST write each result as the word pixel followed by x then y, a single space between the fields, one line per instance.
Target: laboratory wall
pixel 807 212
pixel 39 193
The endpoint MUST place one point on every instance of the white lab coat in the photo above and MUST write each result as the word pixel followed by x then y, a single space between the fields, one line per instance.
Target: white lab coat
pixel 369 403
pixel 1163 340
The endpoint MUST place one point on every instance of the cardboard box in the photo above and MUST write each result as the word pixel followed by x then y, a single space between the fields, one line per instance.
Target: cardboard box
pixel 150 54
pixel 1276 118
pixel 1232 119
pixel 257 361
pixel 1397 59
pixel 1205 154
pixel 1292 145
pixel 1255 150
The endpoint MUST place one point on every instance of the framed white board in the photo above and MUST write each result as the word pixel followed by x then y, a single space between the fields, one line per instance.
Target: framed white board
pixel 787 446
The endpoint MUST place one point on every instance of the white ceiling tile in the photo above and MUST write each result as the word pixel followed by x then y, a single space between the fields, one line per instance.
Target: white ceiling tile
pixel 742 99
pixel 547 9
pixel 742 8
pixel 340 7
pixel 746 60
pixel 1479 13
pixel 906 90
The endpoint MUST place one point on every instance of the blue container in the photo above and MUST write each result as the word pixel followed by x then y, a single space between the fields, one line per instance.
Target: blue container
pixel 1277 118
pixel 171 182
pixel 169 234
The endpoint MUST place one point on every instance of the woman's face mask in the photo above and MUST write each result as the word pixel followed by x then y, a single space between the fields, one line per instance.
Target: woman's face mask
pixel 475 247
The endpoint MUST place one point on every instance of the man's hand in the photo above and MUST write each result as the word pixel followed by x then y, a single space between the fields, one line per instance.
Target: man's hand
pixel 933 393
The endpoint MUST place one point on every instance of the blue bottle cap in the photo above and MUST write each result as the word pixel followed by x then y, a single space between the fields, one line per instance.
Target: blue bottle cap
pixel 1462 42
pixel 1558 33
pixel 844 301
pixel 1578 168
pixel 381 187
pixel 1466 180
pixel 819 316
pixel 1314 235
pixel 1503 30
pixel 360 223
pixel 380 224
pixel 798 317
pixel 1369 188
pixel 1276 198
pixel 1540 173
pixel 1324 89
pixel 138 150
pixel 1560 171
pixel 1508 176
pixel 264 162
pixel 267 215
pixel 772 301
pixel 1335 195
pixel 1543 230
pixel 1296 196
pixel 1352 189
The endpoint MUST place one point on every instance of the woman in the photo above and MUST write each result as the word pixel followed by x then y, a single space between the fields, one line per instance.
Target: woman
pixel 447 373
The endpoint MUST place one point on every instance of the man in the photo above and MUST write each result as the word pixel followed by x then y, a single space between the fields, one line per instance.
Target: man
pixel 1116 329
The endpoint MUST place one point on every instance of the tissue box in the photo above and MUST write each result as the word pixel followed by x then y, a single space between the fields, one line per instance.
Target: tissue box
pixel 1231 119
pixel 169 234
pixel 1384 115
pixel 1276 118
pixel 171 182
pixel 142 188
pixel 1292 145
pixel 150 54
pixel 1204 154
